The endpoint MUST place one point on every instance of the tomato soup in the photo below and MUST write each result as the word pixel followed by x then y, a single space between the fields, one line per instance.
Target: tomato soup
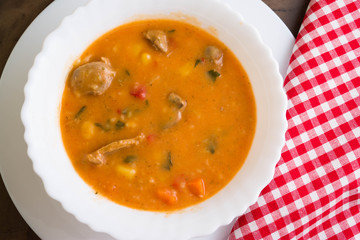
pixel 157 115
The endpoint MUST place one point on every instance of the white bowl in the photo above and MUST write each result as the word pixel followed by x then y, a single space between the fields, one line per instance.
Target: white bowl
pixel 41 110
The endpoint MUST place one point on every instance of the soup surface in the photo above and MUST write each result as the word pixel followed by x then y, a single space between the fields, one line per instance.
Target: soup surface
pixel 157 115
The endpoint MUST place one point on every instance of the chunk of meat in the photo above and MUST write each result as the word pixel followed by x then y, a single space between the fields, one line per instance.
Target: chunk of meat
pixel 177 101
pixel 214 55
pixel 92 78
pixel 157 38
pixel 175 118
pixel 179 106
pixel 98 157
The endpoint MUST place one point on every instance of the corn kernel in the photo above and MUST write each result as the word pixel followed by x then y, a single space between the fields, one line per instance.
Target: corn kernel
pixel 136 49
pixel 127 172
pixel 87 129
pixel 145 58
pixel 186 69
pixel 131 124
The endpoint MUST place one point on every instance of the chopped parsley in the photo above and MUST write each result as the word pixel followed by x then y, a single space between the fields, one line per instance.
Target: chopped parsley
pixel 213 75
pixel 197 61
pixel 129 159
pixel 80 112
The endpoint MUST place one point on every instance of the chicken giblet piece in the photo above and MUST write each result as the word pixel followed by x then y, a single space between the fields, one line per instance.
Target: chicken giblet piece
pixel 157 38
pixel 177 101
pixel 214 55
pixel 98 157
pixel 92 78
pixel 179 106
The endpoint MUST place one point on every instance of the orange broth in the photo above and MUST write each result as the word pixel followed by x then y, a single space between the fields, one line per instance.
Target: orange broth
pixel 190 161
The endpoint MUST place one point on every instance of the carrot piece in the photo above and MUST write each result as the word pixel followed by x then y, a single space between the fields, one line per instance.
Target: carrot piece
pixel 197 187
pixel 167 195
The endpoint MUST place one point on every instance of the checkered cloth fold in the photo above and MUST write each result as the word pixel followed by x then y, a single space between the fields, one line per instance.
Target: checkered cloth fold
pixel 315 193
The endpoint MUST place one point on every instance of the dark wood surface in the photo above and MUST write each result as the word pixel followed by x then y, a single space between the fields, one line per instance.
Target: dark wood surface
pixel 15 17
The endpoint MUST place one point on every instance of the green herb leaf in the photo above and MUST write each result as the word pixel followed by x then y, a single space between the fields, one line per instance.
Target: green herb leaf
pixel 137 110
pixel 99 125
pixel 130 159
pixel 119 125
pixel 78 114
pixel 197 61
pixel 211 145
pixel 127 112
pixel 125 76
pixel 172 30
pixel 213 75
pixel 168 163
pixel 105 127
pixel 147 102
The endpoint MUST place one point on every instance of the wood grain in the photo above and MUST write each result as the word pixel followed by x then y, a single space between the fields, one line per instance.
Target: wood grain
pixel 15 17
pixel 291 12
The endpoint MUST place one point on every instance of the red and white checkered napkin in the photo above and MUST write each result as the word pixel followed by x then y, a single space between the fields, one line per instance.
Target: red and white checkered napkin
pixel 315 193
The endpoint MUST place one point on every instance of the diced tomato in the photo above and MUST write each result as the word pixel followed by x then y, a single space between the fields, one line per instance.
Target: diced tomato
pixel 119 111
pixel 197 187
pixel 151 138
pixel 179 182
pixel 138 91
pixel 167 195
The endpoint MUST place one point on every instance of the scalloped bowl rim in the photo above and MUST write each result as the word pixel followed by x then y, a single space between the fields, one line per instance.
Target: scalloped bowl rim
pixel 40 117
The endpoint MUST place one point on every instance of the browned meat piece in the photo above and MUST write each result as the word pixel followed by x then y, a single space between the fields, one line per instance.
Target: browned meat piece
pixel 157 38
pixel 175 118
pixel 92 78
pixel 177 101
pixel 214 55
pixel 179 106
pixel 98 157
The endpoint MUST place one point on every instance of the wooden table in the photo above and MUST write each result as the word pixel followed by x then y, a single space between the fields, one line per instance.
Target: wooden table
pixel 16 15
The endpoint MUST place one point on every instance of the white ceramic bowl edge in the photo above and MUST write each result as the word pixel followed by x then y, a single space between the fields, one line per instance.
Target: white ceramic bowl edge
pixel 41 111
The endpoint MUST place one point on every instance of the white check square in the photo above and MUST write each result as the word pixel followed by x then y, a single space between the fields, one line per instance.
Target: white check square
pixel 320 171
